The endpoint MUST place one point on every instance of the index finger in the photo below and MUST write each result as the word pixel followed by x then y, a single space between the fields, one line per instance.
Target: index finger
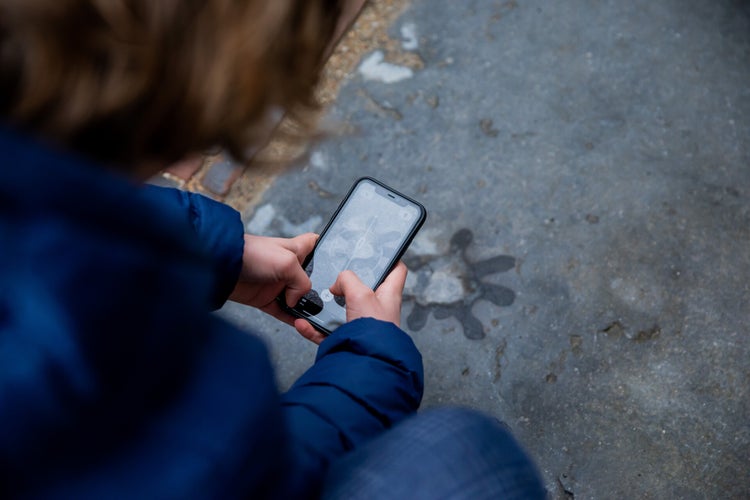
pixel 300 245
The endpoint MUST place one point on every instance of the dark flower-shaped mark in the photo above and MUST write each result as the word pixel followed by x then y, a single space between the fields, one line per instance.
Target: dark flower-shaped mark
pixel 449 286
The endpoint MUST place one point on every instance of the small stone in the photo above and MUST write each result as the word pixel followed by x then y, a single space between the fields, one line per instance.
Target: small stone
pixel 576 341
pixel 614 329
pixel 164 179
pixel 220 175
pixel 186 168
pixel 487 127
pixel 650 334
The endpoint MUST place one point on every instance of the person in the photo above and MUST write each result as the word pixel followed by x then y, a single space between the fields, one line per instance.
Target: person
pixel 115 378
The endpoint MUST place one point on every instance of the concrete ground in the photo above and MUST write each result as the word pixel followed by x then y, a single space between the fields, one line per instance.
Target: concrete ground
pixel 583 274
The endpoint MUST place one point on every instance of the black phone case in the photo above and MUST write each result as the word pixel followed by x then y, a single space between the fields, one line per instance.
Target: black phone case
pixel 394 261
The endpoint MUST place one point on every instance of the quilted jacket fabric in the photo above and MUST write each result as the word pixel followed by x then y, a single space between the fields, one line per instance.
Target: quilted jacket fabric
pixel 117 381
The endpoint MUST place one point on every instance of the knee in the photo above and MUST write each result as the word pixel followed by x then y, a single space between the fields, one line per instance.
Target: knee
pixel 474 432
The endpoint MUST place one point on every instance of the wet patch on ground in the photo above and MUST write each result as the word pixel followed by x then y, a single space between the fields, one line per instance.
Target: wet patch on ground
pixel 449 285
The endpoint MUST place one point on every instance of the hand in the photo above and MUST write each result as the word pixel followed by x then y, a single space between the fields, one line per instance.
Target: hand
pixel 269 265
pixel 361 302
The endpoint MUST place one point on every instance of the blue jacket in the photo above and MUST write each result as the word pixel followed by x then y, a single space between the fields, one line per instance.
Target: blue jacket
pixel 116 381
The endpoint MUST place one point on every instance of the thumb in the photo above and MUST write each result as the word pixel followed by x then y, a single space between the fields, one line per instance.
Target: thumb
pixel 297 286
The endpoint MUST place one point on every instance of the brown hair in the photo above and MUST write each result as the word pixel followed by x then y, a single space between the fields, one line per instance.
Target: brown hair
pixel 127 81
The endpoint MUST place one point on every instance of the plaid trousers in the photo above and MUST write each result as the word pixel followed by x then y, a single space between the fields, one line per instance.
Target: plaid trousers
pixel 447 453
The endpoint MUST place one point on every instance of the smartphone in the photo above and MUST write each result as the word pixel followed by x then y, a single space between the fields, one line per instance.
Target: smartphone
pixel 368 234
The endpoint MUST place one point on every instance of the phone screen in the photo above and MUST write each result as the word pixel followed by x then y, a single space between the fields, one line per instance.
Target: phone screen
pixel 367 235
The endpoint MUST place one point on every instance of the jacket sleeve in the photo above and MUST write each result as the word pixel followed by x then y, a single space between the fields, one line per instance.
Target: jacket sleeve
pixel 367 377
pixel 219 231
